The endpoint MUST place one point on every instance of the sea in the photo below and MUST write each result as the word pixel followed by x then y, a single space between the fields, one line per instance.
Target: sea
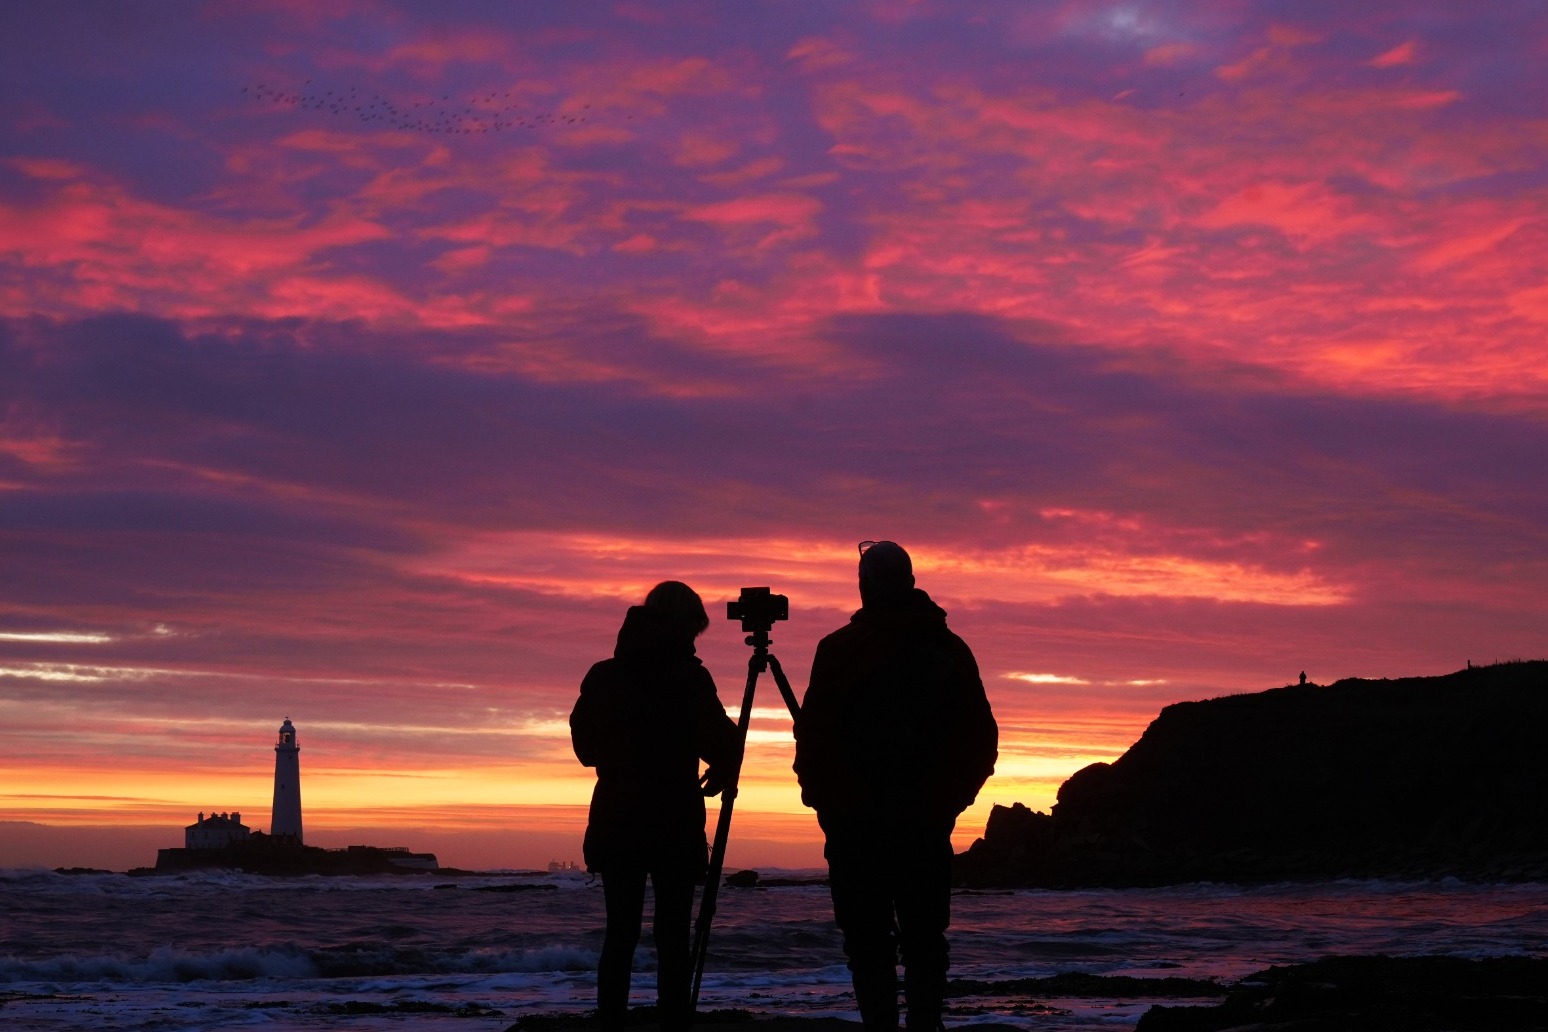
pixel 207 951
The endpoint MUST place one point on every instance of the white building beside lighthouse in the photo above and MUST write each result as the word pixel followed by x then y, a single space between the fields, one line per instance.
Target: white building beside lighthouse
pixel 285 818
pixel 217 831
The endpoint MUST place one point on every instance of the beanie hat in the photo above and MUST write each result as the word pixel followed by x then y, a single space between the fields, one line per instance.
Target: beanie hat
pixel 886 573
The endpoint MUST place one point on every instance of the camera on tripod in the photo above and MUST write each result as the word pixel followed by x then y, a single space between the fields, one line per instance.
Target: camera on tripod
pixel 758 608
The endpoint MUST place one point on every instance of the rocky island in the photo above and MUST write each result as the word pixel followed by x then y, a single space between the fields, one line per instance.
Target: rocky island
pixel 261 854
pixel 1414 777
pixel 221 841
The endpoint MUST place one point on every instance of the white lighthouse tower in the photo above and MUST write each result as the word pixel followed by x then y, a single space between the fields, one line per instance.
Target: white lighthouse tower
pixel 285 818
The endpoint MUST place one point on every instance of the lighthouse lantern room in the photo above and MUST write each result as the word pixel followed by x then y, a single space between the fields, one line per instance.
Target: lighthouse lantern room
pixel 285 819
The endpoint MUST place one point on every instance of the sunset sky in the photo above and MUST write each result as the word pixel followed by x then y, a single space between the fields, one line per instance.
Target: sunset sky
pixel 361 362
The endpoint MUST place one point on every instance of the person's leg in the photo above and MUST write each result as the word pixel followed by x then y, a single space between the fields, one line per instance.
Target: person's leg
pixel 624 892
pixel 862 906
pixel 924 912
pixel 670 927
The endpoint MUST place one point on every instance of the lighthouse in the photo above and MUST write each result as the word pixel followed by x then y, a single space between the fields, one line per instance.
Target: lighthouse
pixel 285 818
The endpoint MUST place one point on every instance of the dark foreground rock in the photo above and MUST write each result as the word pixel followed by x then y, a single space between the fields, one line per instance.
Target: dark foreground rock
pixel 1000 1005
pixel 1375 994
pixel 1410 778
pixel 753 880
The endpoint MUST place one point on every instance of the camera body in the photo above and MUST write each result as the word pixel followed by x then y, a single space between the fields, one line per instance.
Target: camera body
pixel 758 608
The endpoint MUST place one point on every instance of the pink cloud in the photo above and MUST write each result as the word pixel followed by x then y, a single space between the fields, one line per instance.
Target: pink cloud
pixel 1167 54
pixel 1302 211
pixel 450 47
pixel 1532 303
pixel 1282 35
pixel 819 54
pixel 1274 59
pixel 752 171
pixel 462 259
pixel 126 253
pixel 687 76
pixel 792 215
pixel 1402 54
pixel 640 243
pixel 1465 245
pixel 698 149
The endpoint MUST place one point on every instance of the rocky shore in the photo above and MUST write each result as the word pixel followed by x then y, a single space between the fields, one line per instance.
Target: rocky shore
pixel 1356 994
pixel 1336 994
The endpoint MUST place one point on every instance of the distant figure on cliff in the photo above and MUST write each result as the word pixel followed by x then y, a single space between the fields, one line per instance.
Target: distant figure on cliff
pixel 644 720
pixel 894 740
pixel 1303 677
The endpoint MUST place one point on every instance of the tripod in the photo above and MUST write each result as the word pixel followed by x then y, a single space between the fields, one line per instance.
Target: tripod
pixel 760 660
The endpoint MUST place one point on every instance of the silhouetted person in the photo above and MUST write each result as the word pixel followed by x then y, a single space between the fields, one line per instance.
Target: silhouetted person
pixel 644 719
pixel 894 740
pixel 1303 677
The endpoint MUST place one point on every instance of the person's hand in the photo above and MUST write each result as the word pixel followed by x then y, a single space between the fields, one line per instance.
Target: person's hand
pixel 714 781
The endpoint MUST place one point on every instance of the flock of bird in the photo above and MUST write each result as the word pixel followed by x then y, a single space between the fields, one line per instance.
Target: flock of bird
pixel 480 113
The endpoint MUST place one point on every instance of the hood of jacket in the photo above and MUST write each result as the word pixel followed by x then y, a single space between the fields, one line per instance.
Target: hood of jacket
pixel 649 636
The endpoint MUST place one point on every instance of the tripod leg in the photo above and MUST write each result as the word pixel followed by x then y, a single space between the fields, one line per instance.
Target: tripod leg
pixel 717 858
pixel 784 688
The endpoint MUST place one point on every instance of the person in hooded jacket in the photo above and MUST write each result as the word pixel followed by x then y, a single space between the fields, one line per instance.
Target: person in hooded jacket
pixel 644 720
pixel 894 740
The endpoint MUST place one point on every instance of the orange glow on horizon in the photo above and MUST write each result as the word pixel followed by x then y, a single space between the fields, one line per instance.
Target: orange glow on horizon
pixel 430 802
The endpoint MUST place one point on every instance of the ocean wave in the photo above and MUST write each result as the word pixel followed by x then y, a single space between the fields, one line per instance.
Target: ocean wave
pixel 353 960
pixel 34 877
pixel 371 959
pixel 118 883
pixel 165 964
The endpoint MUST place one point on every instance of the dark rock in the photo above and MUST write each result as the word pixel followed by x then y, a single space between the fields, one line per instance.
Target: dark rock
pixel 755 880
pixel 1410 778
pixel 1371 994
pixel 638 1017
pixel 261 854
pixel 1080 985
pixel 397 1007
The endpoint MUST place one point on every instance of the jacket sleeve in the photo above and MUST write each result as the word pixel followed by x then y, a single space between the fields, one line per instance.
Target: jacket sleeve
pixel 974 742
pixel 716 733
pixel 587 731
pixel 819 756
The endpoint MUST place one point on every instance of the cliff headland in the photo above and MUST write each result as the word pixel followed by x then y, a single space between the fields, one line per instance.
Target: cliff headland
pixel 1416 777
